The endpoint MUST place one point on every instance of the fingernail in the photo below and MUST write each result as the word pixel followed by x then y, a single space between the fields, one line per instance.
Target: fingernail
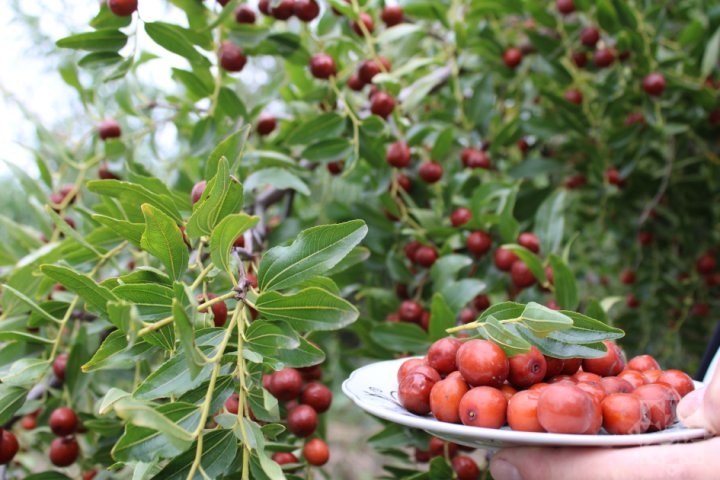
pixel 502 470
pixel 690 404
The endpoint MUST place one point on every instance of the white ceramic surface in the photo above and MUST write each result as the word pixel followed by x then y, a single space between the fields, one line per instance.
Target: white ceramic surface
pixel 374 389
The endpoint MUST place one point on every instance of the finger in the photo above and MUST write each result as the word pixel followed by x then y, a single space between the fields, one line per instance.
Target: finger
pixel 693 460
pixel 701 408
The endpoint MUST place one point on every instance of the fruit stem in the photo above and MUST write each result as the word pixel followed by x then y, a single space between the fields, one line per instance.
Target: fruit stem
pixel 467 326
pixel 205 408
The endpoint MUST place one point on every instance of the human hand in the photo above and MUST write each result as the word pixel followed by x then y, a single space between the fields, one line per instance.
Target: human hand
pixel 699 460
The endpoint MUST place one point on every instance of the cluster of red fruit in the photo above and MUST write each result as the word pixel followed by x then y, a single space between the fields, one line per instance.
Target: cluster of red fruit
pixel 476 384
pixel 465 467
pixel 305 397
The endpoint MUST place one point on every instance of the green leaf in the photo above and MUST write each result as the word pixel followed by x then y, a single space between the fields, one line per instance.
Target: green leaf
pixel 710 57
pixel 594 330
pixel 11 399
pixel 550 222
pixel 94 295
pixel 511 343
pixel 30 303
pixel 175 39
pixel 219 450
pixel 564 281
pixel 554 348
pixel 147 444
pixel 441 317
pixel 401 337
pixel 328 150
pixel 265 338
pixel 231 148
pixel 324 126
pixel 222 196
pixel 70 232
pixel 606 16
pixel 458 294
pixel 132 194
pixel 543 320
pixel 508 225
pixel 308 310
pixel 314 251
pixel 224 235
pixel 99 41
pixel 447 267
pixel 279 178
pixel 153 301
pixel 115 354
pixel 164 240
pixel 131 232
pixel 305 355
pixel 356 255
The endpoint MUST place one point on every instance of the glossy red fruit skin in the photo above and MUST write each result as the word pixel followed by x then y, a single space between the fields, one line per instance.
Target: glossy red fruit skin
pixel 231 57
pixel 369 68
pixel 604 57
pixel 311 373
pixel 481 362
pixel 284 458
pixel 266 124
pixel 404 182
pixel 245 14
pixel 335 168
pixel 63 421
pixel 367 21
pixel 445 398
pixel 481 302
pixel 589 36
pixel 662 402
pixel 8 446
pixel 123 8
pixel 318 396
pixel 566 7
pixel 285 384
pixel 64 451
pixel 565 408
pixel 529 241
pixel 642 363
pixel 616 385
pixel 264 6
pixel 632 301
pixel 426 256
pixel 437 448
pixel 460 216
pixel 527 369
pixel 316 452
pixel 522 411
pixel 407 366
pixel 411 249
pixel 654 84
pixel 465 468
pixel 382 104
pixel 579 59
pixel 302 420
pixel 232 403
pixel 410 311
pixel 442 355
pixel 59 365
pixel 89 475
pixel 28 422
pixel 414 392
pixel 392 15
pixel 398 155
pixel 474 158
pixel 430 171
pixel 322 66
pixel 574 96
pixel 553 366
pixel 219 310
pixel 512 57
pixel 479 243
pixel 521 275
pixel 571 366
pixel 678 380
pixel 627 277
pixel 197 191
pixel 483 407
pixel 706 264
pixel 306 10
pixel 109 129
pixel 610 365
pixel 504 259
pixel 283 10
pixel 625 414
pixel 355 83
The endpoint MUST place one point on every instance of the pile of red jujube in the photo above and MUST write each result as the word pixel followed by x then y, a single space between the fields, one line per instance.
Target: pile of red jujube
pixel 305 397
pixel 476 384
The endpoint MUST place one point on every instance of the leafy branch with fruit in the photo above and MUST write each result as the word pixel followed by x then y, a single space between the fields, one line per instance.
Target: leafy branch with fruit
pixel 191 265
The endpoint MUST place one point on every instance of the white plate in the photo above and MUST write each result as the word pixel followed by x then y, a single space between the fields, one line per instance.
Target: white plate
pixel 374 389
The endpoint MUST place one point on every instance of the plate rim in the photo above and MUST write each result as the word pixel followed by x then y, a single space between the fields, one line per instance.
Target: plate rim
pixel 480 434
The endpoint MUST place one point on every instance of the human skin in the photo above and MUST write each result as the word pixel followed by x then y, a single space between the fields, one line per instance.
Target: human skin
pixel 689 461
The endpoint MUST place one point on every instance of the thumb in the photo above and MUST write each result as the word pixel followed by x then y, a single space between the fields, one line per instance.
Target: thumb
pixel 701 408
